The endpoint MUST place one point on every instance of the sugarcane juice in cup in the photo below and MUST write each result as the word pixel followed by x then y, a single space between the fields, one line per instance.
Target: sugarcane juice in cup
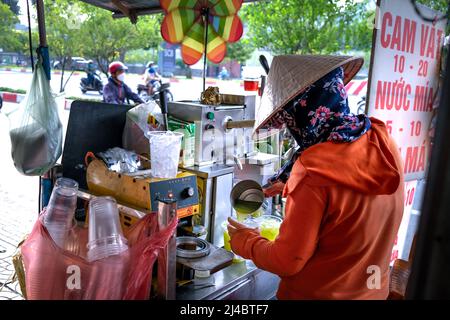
pixel 241 217
pixel 227 243
pixel 226 240
pixel 269 227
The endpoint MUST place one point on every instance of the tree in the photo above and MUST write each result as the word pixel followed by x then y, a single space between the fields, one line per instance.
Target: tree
pixel 13 6
pixel 440 5
pixel 240 51
pixel 106 39
pixel 298 26
pixel 63 35
pixel 7 21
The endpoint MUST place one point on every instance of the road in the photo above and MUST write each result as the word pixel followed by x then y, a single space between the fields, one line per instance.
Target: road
pixel 18 210
pixel 182 89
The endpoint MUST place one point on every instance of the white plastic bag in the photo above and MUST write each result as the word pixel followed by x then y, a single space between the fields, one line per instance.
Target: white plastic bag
pixel 35 129
pixel 137 124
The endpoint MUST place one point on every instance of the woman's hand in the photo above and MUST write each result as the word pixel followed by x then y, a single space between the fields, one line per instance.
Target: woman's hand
pixel 234 226
pixel 273 189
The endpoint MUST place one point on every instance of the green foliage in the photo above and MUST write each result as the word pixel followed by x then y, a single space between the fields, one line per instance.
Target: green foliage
pixel 62 34
pixel 7 21
pixel 106 39
pixel 140 56
pixel 184 67
pixel 24 43
pixel 439 5
pixel 13 5
pixel 240 51
pixel 298 26
pixel 19 91
pixel 62 21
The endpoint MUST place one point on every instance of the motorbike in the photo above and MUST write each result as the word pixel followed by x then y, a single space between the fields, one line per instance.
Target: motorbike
pixel 158 86
pixel 362 105
pixel 95 85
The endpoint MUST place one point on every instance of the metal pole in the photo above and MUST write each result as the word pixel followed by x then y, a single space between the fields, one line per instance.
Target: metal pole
pixel 206 17
pixel 167 259
pixel 43 48
pixel 41 23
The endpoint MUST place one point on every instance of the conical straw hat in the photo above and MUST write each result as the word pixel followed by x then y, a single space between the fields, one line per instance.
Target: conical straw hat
pixel 289 75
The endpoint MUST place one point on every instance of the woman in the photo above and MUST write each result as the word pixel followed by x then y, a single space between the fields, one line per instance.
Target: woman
pixel 344 187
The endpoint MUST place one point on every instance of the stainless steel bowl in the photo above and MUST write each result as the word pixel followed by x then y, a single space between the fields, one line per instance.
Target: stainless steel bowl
pixel 201 248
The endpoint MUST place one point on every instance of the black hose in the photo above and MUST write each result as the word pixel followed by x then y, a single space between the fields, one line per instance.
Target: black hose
pixel 30 39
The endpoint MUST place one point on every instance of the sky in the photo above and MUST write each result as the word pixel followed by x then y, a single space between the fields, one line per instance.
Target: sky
pixel 23 13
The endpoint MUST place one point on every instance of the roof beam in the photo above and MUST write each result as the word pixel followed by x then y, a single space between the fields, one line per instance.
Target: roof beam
pixel 125 10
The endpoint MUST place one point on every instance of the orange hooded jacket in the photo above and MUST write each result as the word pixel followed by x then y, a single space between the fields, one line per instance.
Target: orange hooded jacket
pixel 343 210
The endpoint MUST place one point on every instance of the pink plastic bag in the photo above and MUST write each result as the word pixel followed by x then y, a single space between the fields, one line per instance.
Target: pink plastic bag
pixel 52 273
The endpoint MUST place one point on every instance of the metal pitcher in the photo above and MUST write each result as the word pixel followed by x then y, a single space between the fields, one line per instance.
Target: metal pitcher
pixel 247 197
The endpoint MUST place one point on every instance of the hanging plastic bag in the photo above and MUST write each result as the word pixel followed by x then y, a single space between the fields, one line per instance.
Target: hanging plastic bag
pixel 141 119
pixel 52 273
pixel 35 129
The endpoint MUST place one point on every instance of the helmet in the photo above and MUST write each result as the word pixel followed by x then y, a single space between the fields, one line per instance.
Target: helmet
pixel 116 66
pixel 150 63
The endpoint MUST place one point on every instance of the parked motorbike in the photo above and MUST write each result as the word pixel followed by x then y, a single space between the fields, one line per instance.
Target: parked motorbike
pixel 95 85
pixel 362 105
pixel 143 91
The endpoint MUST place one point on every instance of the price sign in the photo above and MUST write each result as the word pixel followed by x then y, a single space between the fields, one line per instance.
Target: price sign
pixel 399 246
pixel 404 78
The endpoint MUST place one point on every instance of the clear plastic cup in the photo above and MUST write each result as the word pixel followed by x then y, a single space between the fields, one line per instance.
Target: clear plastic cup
pixel 105 233
pixel 226 237
pixel 165 149
pixel 58 218
pixel 269 226
pixel 250 222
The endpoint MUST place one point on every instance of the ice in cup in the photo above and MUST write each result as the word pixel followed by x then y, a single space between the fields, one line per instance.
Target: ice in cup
pixel 269 226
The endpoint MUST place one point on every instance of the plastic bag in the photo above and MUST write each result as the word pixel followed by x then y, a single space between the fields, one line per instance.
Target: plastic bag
pixel 52 273
pixel 35 129
pixel 120 160
pixel 145 117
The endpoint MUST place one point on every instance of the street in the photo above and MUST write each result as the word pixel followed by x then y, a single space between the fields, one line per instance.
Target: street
pixel 18 211
pixel 182 89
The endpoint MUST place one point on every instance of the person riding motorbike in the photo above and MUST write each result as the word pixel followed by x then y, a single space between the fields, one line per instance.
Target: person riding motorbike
pixel 151 76
pixel 223 75
pixel 90 70
pixel 116 91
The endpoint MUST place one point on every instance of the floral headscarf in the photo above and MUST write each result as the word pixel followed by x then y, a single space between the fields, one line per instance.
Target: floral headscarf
pixel 319 114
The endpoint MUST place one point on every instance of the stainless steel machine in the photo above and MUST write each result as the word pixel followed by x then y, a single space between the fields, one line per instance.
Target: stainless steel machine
pixel 223 132
pixel 224 153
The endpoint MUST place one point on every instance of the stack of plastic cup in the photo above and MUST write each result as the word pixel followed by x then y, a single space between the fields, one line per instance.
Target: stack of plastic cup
pixel 105 234
pixel 58 218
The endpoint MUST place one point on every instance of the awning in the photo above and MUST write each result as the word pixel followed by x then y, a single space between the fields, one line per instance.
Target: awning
pixel 130 8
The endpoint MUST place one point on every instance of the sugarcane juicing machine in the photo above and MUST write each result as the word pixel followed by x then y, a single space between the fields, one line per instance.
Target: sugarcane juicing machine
pixel 199 196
